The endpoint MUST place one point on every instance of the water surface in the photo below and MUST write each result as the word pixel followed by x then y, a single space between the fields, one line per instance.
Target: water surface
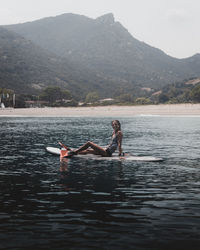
pixel 90 204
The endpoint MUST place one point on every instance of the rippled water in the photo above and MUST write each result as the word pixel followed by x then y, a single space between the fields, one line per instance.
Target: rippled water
pixel 90 204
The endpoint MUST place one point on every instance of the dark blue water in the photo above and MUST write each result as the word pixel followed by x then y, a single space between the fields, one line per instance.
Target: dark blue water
pixel 92 204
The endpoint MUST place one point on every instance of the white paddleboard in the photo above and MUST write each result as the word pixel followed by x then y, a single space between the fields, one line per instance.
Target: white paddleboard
pixel 56 151
pixel 52 150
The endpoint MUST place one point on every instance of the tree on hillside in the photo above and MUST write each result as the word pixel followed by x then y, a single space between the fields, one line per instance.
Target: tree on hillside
pixel 92 97
pixel 52 94
pixel 125 98
pixel 195 93
pixel 162 98
pixel 66 94
pixel 143 101
pixel 20 101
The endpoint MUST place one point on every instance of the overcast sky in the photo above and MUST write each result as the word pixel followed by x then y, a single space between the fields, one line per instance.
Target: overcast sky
pixel 170 25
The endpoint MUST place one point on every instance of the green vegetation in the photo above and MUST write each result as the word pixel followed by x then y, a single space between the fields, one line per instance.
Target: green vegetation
pixel 195 93
pixel 181 92
pixel 92 97
pixel 106 74
pixel 106 48
pixel 56 97
pixel 143 101
pixel 93 60
pixel 52 96
pixel 125 98
pixel 28 69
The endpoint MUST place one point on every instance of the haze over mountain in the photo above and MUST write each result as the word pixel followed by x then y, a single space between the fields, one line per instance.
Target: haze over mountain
pixel 108 51
pixel 28 68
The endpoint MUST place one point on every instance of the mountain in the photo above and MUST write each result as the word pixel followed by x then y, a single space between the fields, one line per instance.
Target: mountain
pixel 105 47
pixel 23 65
pixel 27 68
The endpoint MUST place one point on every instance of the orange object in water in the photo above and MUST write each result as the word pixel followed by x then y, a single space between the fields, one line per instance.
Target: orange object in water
pixel 63 153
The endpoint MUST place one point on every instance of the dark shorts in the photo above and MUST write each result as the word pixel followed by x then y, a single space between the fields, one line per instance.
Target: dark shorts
pixel 108 152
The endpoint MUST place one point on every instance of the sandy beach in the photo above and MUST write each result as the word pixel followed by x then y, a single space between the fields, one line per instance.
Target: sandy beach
pixel 106 111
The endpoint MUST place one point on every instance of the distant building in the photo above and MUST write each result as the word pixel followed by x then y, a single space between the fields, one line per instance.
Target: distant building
pixel 106 100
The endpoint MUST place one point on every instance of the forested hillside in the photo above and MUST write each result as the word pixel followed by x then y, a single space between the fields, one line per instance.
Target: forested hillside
pixel 27 68
pixel 105 46
pixel 87 57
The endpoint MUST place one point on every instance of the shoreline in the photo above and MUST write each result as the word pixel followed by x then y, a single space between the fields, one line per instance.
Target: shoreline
pixel 106 111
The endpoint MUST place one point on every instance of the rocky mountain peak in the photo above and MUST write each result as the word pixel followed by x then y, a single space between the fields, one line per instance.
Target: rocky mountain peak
pixel 107 19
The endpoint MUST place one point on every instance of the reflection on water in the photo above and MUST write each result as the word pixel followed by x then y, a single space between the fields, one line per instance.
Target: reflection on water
pixel 89 204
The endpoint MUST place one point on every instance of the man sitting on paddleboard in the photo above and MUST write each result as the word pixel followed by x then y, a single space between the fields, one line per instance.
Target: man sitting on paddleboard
pixel 92 148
